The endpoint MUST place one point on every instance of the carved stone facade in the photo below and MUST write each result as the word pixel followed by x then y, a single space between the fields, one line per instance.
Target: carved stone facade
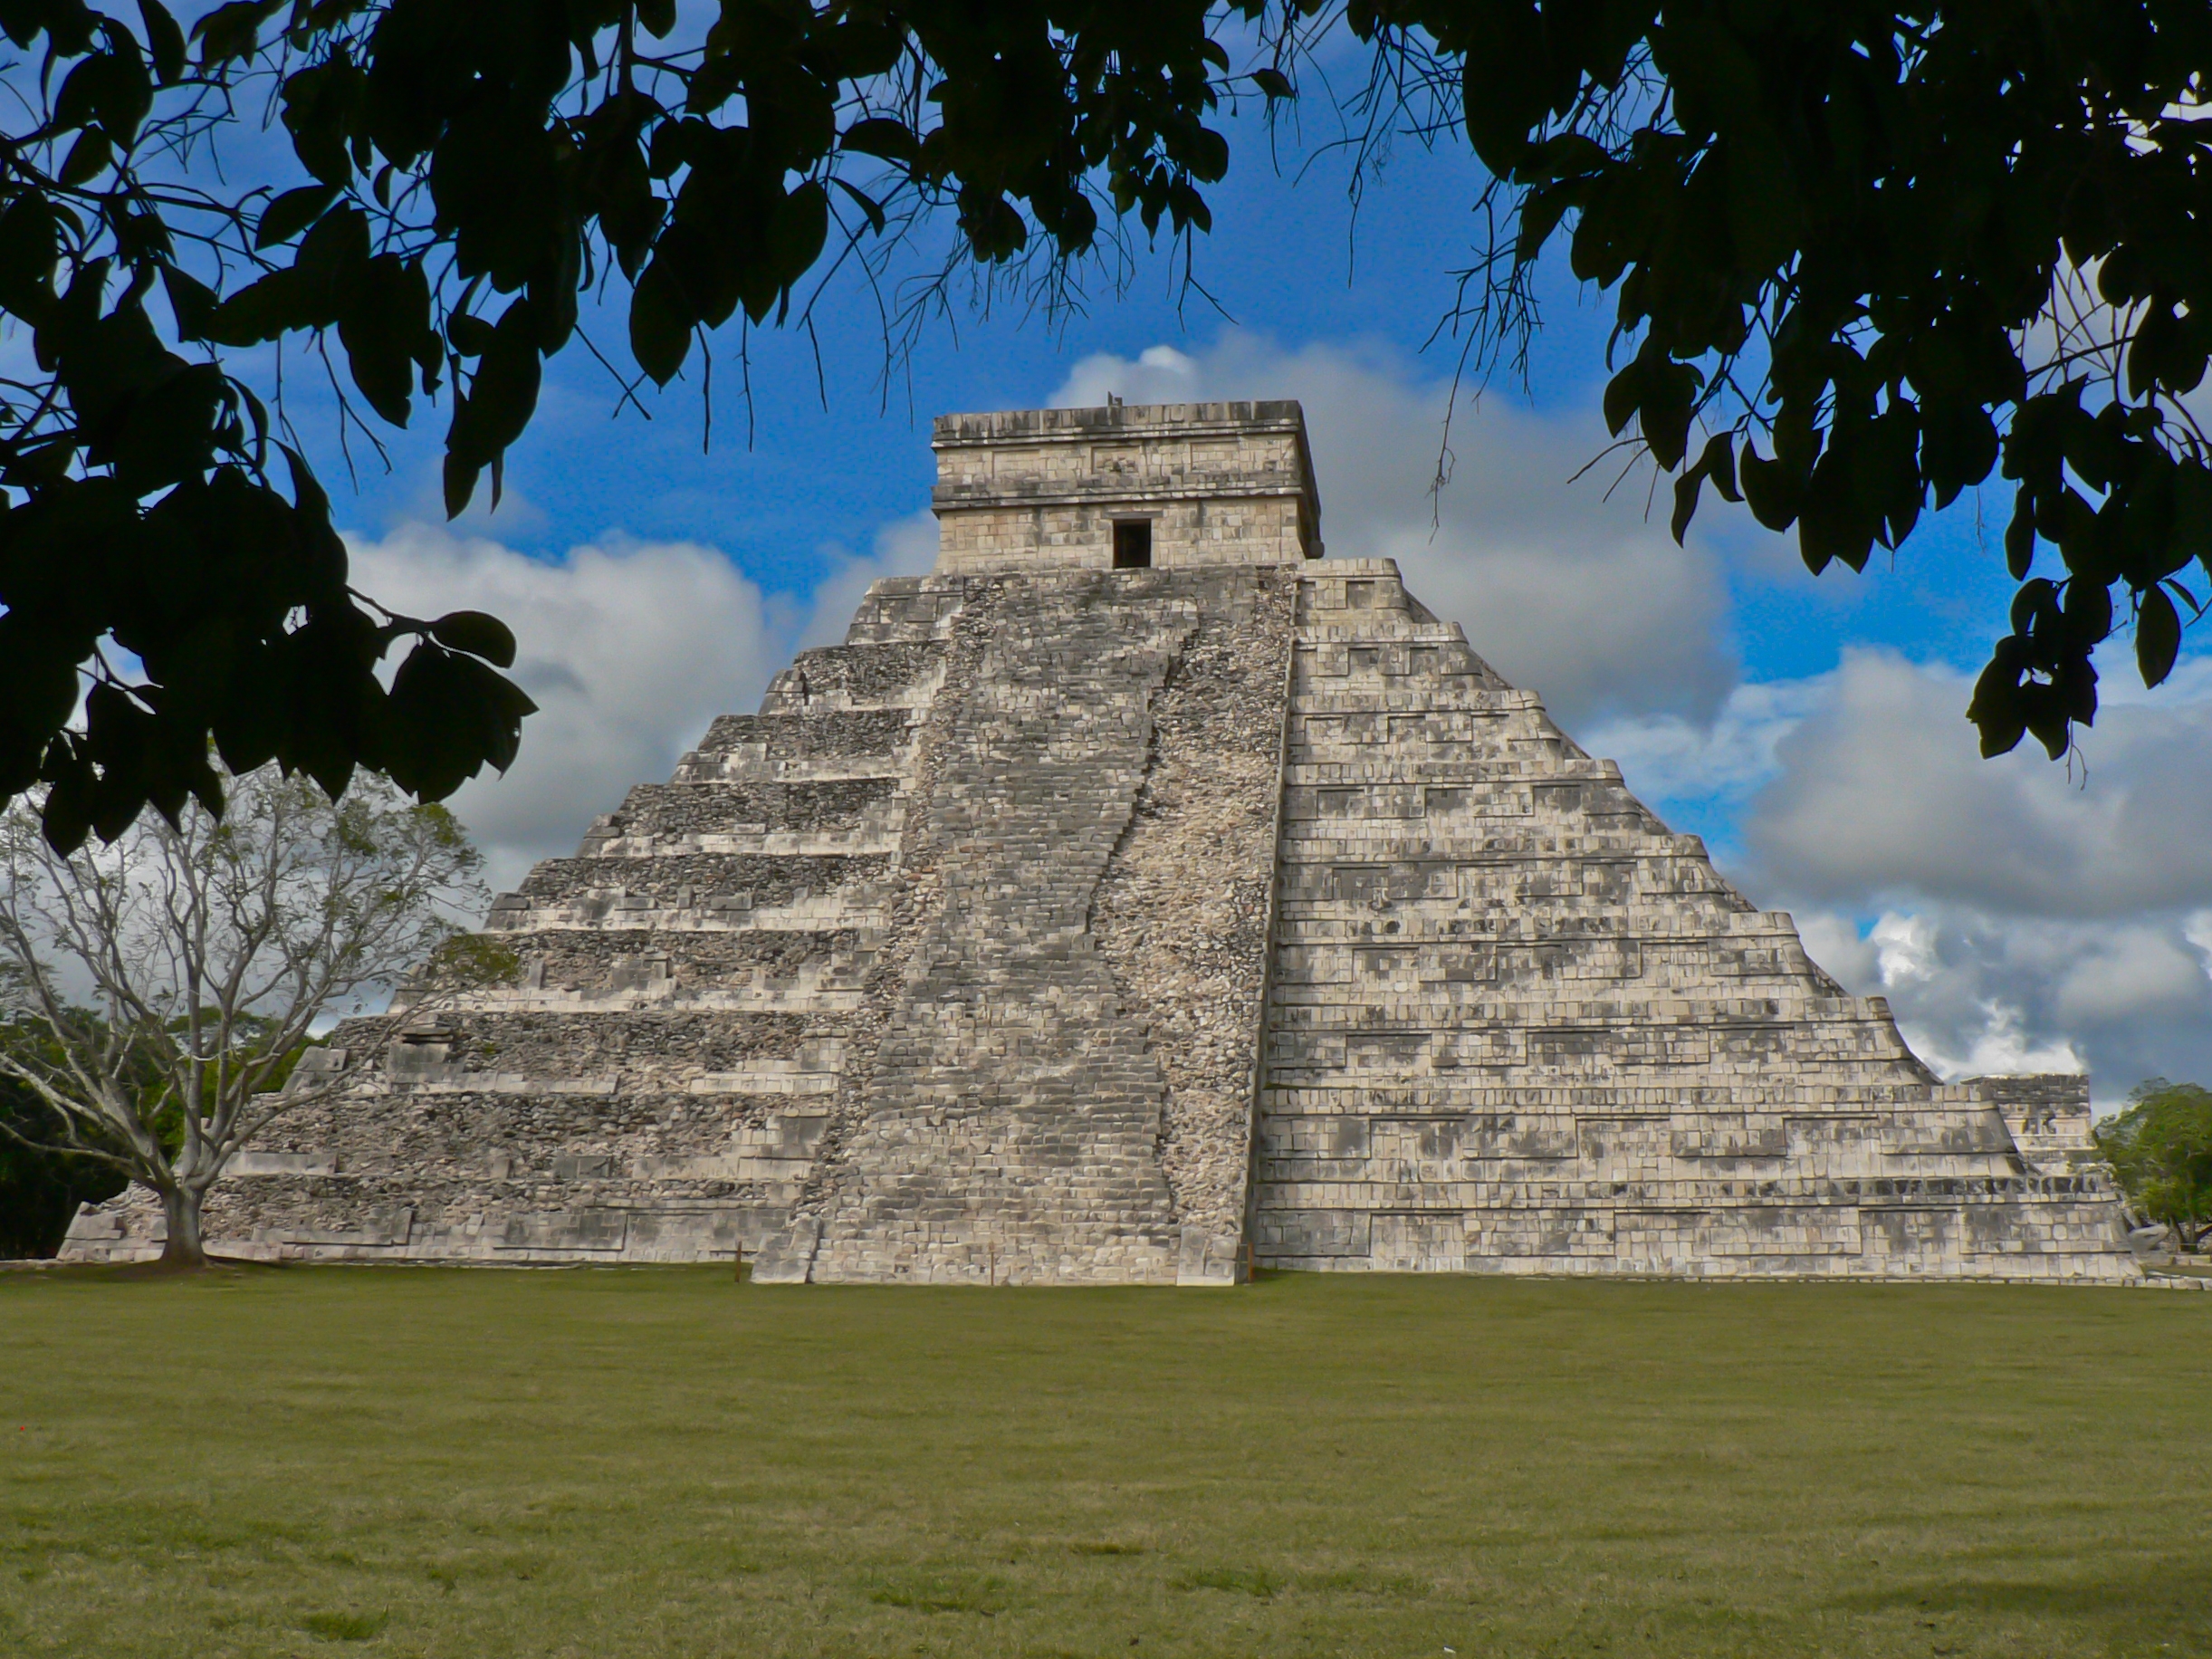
pixel 1075 924
pixel 1044 489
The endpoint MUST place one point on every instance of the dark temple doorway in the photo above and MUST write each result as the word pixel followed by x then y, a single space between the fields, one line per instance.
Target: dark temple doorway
pixel 1132 544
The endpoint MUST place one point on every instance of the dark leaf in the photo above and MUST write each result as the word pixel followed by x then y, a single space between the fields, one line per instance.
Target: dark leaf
pixel 1995 709
pixel 477 633
pixel 866 203
pixel 30 244
pixel 66 816
pixel 2020 537
pixel 451 714
pixel 797 230
pixel 1624 392
pixel 232 30
pixel 164 39
pixel 69 23
pixel 1718 461
pixel 883 138
pixel 291 213
pixel 308 495
pixel 169 433
pixel 2192 526
pixel 1773 489
pixel 470 335
pixel 191 302
pixel 660 323
pixel 460 484
pixel 86 159
pixel 387 314
pixel 2158 636
pixel 1503 84
pixel 277 303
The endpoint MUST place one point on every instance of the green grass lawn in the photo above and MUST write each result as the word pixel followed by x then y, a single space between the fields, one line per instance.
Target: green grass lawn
pixel 476 1464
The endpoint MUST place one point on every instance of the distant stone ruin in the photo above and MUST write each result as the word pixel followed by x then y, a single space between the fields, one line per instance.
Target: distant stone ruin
pixel 1142 898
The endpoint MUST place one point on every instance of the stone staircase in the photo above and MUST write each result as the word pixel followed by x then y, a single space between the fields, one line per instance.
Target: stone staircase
pixel 1016 1110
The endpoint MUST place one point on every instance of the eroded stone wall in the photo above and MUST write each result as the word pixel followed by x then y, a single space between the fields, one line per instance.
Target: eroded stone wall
pixel 660 1080
pixel 1517 1026
pixel 1041 490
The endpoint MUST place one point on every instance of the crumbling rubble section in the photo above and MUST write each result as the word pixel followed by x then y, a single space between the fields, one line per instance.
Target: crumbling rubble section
pixel 1018 1103
pixel 1182 914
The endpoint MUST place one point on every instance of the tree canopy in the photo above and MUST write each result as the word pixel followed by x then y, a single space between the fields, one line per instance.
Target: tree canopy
pixel 1864 257
pixel 41 1182
pixel 211 949
pixel 2161 1148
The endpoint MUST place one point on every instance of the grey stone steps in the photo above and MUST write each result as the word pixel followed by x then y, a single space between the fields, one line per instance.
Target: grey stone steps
pixel 667 810
pixel 683 880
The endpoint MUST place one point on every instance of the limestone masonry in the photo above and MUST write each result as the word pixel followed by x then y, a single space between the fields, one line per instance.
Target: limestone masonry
pixel 1139 899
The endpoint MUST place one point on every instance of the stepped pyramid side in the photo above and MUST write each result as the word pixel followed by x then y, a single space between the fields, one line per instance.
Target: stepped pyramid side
pixel 1516 1026
pixel 660 1080
pixel 1071 923
pixel 949 961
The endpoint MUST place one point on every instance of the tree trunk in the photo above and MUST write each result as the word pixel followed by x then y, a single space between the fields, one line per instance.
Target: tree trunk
pixel 183 1249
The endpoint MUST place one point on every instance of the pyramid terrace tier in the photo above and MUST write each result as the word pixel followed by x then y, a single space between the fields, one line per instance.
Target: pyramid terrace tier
pixel 1381 1152
pixel 2000 1237
pixel 696 891
pixel 1470 956
pixel 823 746
pixel 851 817
pixel 755 970
pixel 546 1137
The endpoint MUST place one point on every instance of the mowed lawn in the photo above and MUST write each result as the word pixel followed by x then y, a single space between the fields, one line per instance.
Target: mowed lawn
pixel 478 1464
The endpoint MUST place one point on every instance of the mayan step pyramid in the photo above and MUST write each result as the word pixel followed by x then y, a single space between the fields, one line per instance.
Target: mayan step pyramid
pixel 1140 898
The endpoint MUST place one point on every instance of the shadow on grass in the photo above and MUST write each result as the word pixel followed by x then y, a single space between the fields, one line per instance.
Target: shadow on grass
pixel 131 1272
pixel 2174 1590
pixel 939 1592
pixel 345 1626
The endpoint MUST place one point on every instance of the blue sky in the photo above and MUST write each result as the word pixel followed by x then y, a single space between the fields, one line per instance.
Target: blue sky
pixel 829 463
pixel 2019 915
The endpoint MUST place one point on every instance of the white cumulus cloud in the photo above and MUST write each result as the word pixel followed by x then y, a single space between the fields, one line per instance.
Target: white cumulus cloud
pixel 2019 915
pixel 628 648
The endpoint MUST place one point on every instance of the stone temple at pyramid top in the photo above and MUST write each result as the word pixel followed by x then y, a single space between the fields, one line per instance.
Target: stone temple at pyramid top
pixel 1168 485
pixel 1141 898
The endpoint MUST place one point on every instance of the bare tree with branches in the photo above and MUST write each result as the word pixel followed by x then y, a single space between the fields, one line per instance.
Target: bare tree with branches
pixel 166 987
